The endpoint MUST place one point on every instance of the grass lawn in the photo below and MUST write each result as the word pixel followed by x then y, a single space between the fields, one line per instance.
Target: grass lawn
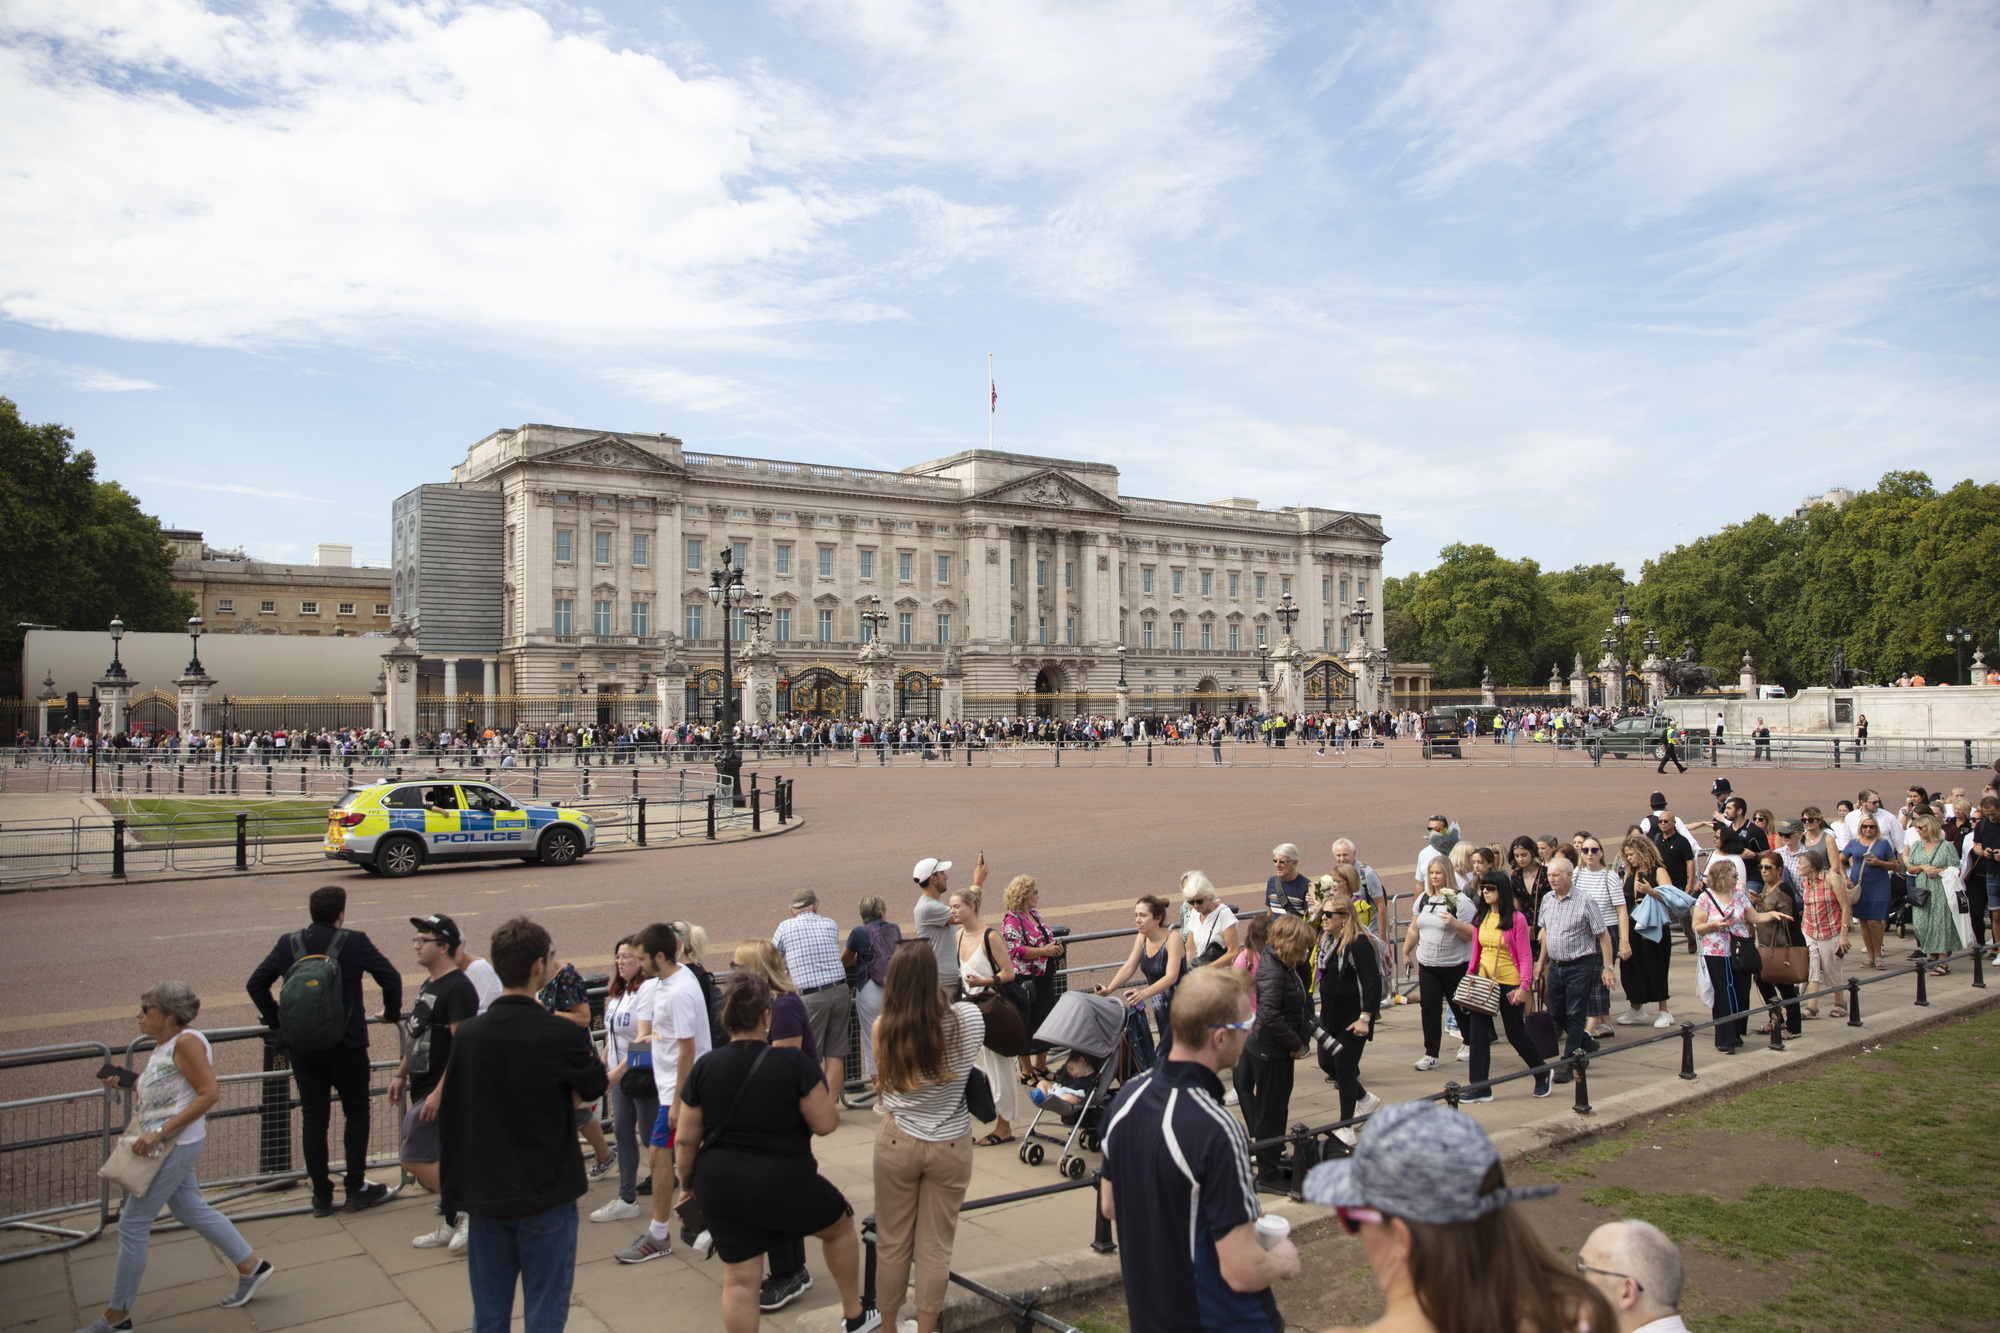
pixel 201 817
pixel 1856 1195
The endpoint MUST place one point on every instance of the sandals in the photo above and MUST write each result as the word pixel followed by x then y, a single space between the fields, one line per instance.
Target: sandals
pixel 992 1141
pixel 1837 1013
pixel 1941 970
pixel 1764 1031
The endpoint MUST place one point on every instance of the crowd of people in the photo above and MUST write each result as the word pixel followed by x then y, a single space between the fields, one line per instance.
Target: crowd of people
pixel 717 1084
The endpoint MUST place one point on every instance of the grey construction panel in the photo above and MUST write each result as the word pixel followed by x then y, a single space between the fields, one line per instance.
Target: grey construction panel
pixel 451 567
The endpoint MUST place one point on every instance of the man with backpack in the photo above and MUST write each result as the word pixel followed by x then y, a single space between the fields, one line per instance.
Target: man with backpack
pixel 319 1019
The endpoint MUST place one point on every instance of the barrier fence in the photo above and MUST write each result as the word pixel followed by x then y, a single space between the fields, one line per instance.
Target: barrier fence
pixel 148 835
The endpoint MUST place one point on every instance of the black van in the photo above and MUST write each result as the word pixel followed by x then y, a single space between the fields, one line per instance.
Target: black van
pixel 1444 726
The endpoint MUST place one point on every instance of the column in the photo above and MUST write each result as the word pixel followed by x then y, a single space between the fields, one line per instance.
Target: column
pixel 878 669
pixel 193 691
pixel 1748 678
pixel 114 692
pixel 378 698
pixel 671 692
pixel 951 699
pixel 399 674
pixel 451 692
pixel 492 683
pixel 47 700
pixel 760 680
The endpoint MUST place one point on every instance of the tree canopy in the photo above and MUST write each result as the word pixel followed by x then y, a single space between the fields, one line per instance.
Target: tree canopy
pixel 1883 577
pixel 75 551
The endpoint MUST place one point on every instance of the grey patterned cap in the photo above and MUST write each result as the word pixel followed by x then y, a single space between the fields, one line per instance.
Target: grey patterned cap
pixel 1420 1161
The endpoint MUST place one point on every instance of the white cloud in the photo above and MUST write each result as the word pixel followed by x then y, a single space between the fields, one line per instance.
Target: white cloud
pixel 89 379
pixel 228 488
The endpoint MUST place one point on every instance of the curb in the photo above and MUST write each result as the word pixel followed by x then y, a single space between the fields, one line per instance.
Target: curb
pixel 1076 1274
pixel 260 872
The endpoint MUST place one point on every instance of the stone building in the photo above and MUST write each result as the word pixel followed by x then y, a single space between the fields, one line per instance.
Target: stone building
pixel 237 595
pixel 576 564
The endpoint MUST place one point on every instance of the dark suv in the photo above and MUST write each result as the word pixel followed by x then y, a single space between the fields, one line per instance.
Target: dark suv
pixel 1632 735
pixel 1444 726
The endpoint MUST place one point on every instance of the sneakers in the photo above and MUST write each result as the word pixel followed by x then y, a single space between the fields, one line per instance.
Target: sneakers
pixel 778 1292
pixel 644 1249
pixel 1465 1052
pixel 1665 1020
pixel 865 1322
pixel 1428 1062
pixel 1543 1087
pixel 618 1211
pixel 371 1193
pixel 1229 1098
pixel 323 1205
pixel 461 1236
pixel 1475 1095
pixel 1367 1105
pixel 445 1235
pixel 1346 1136
pixel 247 1284
pixel 1629 1018
pixel 599 1167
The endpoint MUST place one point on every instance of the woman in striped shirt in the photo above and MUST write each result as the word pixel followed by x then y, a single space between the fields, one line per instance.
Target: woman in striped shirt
pixel 924 1050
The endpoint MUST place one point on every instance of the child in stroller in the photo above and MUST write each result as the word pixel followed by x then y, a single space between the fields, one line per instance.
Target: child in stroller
pixel 1066 1092
pixel 1089 1028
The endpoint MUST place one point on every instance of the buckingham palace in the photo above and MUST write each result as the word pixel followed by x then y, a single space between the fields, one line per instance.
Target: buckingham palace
pixel 560 563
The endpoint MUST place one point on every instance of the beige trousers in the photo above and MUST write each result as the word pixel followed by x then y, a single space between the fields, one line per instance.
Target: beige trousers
pixel 1826 973
pixel 919 1185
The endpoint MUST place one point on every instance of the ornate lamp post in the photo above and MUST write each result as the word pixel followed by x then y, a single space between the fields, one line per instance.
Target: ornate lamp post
pixel 1960 637
pixel 1286 614
pixel 1361 618
pixel 194 638
pixel 1263 660
pixel 875 619
pixel 1121 666
pixel 726 591
pixel 757 615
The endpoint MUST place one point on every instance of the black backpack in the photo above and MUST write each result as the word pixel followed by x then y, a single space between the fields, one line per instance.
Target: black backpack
pixel 311 1012
pixel 711 999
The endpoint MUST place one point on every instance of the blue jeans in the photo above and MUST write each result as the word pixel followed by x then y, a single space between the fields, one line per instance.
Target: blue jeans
pixel 540 1250
pixel 1570 985
pixel 173 1188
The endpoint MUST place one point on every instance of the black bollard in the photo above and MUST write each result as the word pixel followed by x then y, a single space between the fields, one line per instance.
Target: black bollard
pixel 1923 995
pixel 642 821
pixel 1451 1091
pixel 1101 1242
pixel 1777 1012
pixel 267 781
pixel 180 778
pixel 1853 1002
pixel 1058 750
pixel 1687 1050
pixel 1978 968
pixel 117 849
pixel 756 808
pixel 711 816
pixel 1149 752
pixel 242 840
pixel 1582 1106
pixel 586 780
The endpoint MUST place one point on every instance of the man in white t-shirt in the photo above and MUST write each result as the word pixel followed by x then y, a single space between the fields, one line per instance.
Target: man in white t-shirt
pixel 1871 804
pixel 481 974
pixel 1438 831
pixel 680 1037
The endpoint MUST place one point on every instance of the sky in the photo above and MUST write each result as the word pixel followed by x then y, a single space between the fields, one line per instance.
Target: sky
pixel 1577 281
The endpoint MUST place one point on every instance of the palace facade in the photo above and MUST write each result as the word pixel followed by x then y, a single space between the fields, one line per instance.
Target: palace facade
pixel 576 563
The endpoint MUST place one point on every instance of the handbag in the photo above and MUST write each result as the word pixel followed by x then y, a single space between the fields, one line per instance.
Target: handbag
pixel 1917 894
pixel 1017 990
pixel 1481 994
pixel 1540 1026
pixel 1743 954
pixel 638 1083
pixel 131 1171
pixel 978 1097
pixel 1006 1029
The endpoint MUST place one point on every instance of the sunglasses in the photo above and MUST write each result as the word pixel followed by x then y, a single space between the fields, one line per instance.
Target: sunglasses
pixel 1593 851
pixel 1338 911
pixel 1760 820
pixel 145 1009
pixel 1351 1219
pixel 1583 1267
pixel 1244 1026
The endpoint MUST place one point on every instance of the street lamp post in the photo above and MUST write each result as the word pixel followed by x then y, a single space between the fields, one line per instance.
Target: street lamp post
pixel 1263 659
pixel 726 591
pixel 194 638
pixel 1286 614
pixel 876 619
pixel 1121 666
pixel 1960 637
pixel 1621 620
pixel 116 671
pixel 1361 618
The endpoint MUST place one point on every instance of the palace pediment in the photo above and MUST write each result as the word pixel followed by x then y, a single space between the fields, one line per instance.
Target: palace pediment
pixel 1351 525
pixel 1051 488
pixel 608 451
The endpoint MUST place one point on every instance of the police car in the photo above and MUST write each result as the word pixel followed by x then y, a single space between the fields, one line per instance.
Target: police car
pixel 392 828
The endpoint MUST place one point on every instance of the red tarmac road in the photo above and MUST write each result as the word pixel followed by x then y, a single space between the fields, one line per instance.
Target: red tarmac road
pixel 1093 838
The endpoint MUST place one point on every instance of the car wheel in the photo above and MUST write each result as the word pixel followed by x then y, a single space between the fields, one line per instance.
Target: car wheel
pixel 561 847
pixel 399 857
pixel 1660 752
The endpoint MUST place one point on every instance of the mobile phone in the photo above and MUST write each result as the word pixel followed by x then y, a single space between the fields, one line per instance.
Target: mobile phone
pixel 126 1077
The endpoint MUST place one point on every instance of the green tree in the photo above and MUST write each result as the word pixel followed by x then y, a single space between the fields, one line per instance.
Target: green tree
pixel 1579 602
pixel 74 551
pixel 1472 611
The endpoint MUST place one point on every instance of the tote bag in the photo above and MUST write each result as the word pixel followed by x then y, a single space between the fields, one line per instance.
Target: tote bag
pixel 131 1171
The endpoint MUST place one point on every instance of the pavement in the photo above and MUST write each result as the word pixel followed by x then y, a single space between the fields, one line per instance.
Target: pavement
pixel 360 1272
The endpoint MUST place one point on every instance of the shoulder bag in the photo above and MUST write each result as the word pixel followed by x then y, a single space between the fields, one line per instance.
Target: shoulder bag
pixel 1743 953
pixel 132 1172
pixel 693 1220
pixel 1786 964
pixel 1478 993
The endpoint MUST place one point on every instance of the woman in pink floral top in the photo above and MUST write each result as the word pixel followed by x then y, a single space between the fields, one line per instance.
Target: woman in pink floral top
pixel 1034 951
pixel 1723 910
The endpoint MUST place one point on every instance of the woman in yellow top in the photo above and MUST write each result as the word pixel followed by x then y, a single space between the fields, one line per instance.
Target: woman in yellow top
pixel 1500 953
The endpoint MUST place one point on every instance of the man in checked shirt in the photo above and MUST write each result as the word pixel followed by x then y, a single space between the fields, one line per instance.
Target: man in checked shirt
pixel 810 945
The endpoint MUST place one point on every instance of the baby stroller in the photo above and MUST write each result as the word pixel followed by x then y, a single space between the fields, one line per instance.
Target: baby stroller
pixel 1088 1025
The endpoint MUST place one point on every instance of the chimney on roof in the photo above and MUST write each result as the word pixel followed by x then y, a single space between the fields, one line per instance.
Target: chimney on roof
pixel 333 555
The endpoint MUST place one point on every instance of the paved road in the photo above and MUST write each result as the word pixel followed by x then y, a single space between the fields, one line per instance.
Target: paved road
pixel 1094 838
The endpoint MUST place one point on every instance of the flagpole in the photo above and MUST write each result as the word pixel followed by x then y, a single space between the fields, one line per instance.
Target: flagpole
pixel 992 400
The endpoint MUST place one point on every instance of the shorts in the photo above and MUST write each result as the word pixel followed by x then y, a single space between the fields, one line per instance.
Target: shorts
pixel 420 1136
pixel 585 1114
pixel 663 1134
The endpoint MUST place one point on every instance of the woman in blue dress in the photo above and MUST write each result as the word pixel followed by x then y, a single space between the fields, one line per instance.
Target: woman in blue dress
pixel 1870 854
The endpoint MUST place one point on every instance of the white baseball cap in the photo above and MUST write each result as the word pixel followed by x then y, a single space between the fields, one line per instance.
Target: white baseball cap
pixel 927 867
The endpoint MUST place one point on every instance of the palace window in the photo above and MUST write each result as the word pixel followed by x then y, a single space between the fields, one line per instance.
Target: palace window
pixel 346 608
pixel 782 558
pixel 905 627
pixel 1069 629
pixel 826 562
pixel 739 555
pixel 381 608
pixel 267 608
pixel 1146 579
pixel 944 569
pixel 1232 586
pixel 826 627
pixel 600 617
pixel 639 550
pixel 1177 583
pixel 1284 585
pixel 943 628
pixel 736 633
pixel 904 563
pixel 694 553
pixel 1235 638
pixel 308 608
pixel 1177 634
pixel 563 539
pixel 867 559
pixel 1146 631
pixel 1260 587
pixel 1041 573
pixel 641 616
pixel 1260 636
pixel 560 620
pixel 1041 629
pixel 1013 629
pixel 1207 636
pixel 225 604
pixel 691 622
pixel 783 622
pixel 1069 573
pixel 1204 582
pixel 600 547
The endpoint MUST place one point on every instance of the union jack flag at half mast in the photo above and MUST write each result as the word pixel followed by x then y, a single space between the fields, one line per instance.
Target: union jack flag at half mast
pixel 992 399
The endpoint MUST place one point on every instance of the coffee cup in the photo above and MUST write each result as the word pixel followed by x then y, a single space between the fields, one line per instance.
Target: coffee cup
pixel 1271 1229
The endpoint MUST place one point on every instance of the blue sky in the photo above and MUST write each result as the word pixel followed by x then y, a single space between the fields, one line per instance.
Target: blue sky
pixel 1571 280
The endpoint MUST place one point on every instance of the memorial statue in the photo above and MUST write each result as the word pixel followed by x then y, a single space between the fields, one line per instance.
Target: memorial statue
pixel 1685 676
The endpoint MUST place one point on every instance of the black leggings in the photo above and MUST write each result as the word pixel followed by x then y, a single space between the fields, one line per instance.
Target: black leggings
pixel 1480 1031
pixel 1768 991
pixel 1264 1093
pixel 1435 988
pixel 1344 1068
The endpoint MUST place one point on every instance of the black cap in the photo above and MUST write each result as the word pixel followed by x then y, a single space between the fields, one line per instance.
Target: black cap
pixel 442 926
pixel 1720 787
pixel 1658 800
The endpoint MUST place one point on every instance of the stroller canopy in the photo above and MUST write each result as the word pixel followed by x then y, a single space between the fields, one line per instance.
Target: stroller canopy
pixel 1083 1022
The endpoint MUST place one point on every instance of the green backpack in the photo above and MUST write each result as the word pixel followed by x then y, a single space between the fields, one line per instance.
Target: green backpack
pixel 311 1013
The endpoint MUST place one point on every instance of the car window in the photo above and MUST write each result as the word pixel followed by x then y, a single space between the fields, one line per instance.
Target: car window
pixel 485 798
pixel 441 798
pixel 404 798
